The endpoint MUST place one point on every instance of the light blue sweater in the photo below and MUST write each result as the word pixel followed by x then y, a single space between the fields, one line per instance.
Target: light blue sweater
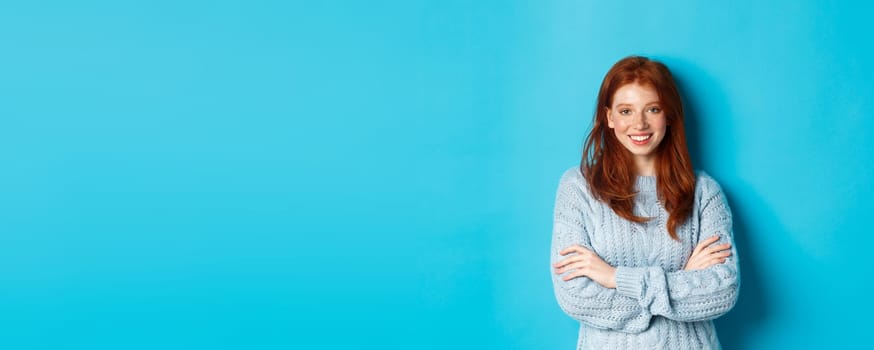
pixel 656 305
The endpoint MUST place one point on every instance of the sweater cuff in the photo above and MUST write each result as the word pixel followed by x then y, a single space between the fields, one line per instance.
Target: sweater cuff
pixel 629 281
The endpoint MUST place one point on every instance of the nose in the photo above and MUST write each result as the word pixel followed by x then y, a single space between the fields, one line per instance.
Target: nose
pixel 639 122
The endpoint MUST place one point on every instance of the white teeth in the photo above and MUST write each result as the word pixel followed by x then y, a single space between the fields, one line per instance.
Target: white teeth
pixel 641 138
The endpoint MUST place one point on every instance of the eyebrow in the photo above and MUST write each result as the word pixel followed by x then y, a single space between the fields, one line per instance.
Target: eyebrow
pixel 645 104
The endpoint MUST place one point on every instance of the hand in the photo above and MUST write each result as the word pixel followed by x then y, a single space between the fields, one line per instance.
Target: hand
pixel 585 263
pixel 706 254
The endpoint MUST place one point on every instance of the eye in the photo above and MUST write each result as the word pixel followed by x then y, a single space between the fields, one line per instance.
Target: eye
pixel 625 111
pixel 655 110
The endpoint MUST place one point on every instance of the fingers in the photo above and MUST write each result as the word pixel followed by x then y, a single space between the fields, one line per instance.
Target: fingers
pixel 706 247
pixel 567 261
pixel 564 264
pixel 707 254
pixel 576 248
pixel 714 261
pixel 572 275
pixel 703 244
pixel 579 265
pixel 716 248
pixel 701 262
pixel 577 269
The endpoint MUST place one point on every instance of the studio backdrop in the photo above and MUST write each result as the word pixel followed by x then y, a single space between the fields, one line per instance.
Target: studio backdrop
pixel 381 174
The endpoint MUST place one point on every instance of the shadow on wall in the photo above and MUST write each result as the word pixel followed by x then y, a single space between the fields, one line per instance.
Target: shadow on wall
pixel 737 328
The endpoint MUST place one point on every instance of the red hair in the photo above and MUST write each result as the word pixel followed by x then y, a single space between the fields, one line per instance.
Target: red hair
pixel 609 167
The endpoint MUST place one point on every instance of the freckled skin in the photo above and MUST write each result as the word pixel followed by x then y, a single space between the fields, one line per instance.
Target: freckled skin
pixel 636 110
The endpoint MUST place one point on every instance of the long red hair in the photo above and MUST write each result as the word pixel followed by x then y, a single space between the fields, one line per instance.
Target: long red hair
pixel 609 167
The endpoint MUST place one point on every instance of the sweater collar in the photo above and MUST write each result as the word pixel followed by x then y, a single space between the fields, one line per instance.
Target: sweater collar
pixel 645 184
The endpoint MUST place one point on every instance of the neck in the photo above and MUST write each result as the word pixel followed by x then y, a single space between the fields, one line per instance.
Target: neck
pixel 644 166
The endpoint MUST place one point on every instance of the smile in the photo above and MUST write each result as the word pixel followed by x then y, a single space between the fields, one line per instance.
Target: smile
pixel 640 139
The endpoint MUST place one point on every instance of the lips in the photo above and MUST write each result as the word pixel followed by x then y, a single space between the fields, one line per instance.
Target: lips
pixel 640 139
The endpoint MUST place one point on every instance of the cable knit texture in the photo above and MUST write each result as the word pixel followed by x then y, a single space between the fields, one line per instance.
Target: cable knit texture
pixel 655 305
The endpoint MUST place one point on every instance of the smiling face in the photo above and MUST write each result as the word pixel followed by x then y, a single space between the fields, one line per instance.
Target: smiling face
pixel 639 122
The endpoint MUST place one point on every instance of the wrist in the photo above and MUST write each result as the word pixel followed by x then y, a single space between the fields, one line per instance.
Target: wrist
pixel 611 278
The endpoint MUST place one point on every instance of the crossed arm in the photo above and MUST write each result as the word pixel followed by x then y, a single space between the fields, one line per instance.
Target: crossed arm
pixel 625 298
pixel 583 262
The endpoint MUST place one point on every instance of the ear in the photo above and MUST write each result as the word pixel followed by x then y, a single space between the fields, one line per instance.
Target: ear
pixel 609 117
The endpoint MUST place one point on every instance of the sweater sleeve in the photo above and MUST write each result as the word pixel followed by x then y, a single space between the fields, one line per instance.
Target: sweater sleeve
pixel 690 295
pixel 581 298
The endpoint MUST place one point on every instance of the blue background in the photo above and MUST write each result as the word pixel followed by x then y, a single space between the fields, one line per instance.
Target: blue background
pixel 381 174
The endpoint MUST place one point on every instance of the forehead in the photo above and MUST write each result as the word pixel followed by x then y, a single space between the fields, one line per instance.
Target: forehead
pixel 635 93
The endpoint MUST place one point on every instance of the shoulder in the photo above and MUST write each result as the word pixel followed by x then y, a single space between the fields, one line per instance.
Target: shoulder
pixel 709 192
pixel 705 184
pixel 572 181
pixel 573 178
pixel 572 175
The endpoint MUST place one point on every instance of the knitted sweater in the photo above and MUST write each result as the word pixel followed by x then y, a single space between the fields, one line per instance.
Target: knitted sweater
pixel 655 305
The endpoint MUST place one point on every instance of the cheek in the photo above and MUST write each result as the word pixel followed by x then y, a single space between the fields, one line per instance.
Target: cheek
pixel 617 134
pixel 617 125
pixel 618 131
pixel 660 124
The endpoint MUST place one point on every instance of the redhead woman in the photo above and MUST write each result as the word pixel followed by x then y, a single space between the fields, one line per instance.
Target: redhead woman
pixel 642 248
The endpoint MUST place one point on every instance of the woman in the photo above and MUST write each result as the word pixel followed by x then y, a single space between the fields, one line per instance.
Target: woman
pixel 642 249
